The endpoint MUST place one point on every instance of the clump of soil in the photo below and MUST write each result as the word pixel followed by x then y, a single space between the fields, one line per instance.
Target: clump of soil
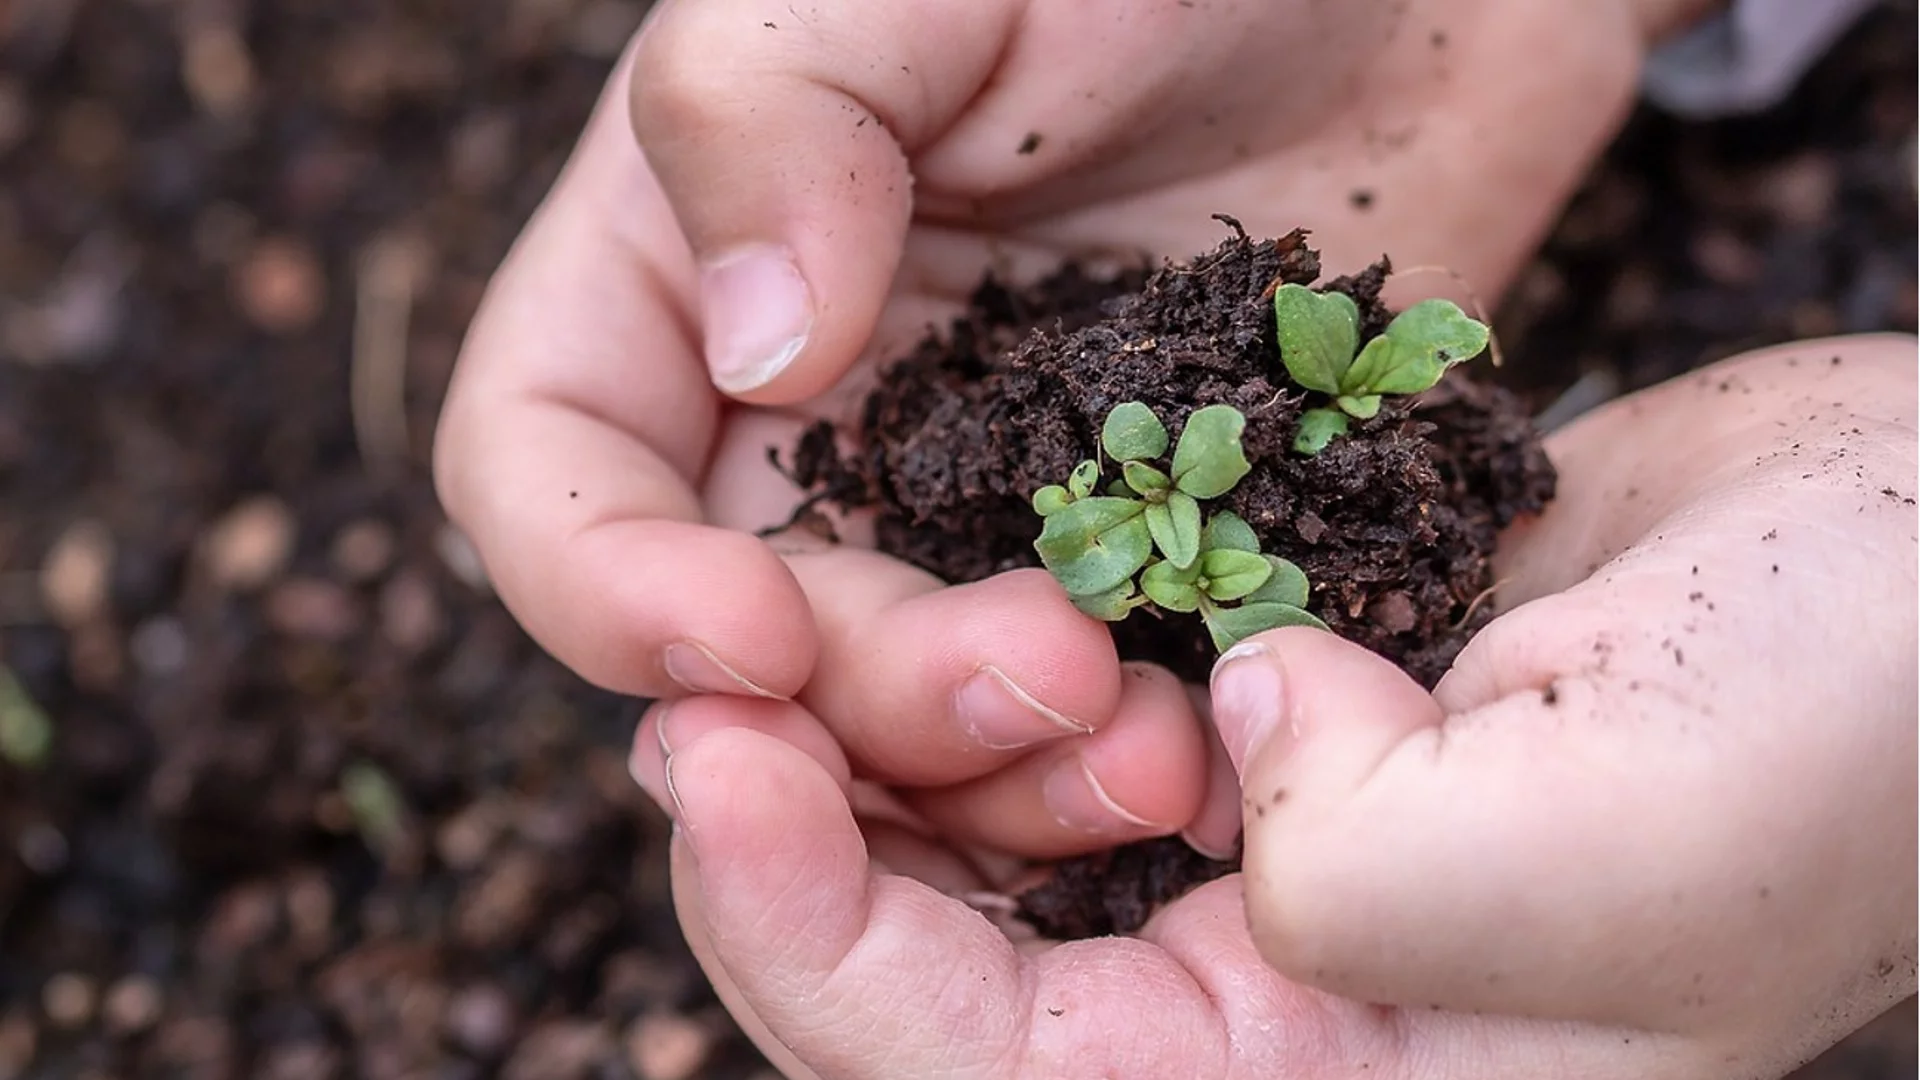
pixel 1394 524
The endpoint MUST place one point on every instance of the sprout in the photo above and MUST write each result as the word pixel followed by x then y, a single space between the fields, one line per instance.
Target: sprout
pixel 1319 332
pixel 1150 523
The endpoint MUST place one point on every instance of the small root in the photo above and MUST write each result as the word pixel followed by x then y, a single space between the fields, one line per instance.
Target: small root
pixel 1474 604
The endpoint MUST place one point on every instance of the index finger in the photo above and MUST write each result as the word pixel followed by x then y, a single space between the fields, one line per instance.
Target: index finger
pixel 577 426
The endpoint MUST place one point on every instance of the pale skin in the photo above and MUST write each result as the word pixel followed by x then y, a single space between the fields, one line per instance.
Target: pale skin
pixel 1689 863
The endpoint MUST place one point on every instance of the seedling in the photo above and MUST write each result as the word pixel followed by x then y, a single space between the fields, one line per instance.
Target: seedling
pixel 1319 333
pixel 1096 544
pixel 26 733
pixel 379 811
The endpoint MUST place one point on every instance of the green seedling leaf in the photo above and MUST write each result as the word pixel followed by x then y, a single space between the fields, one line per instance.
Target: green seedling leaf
pixel 1228 531
pixel 1119 490
pixel 1440 325
pixel 1095 544
pixel 1318 335
pixel 1185 511
pixel 1171 587
pixel 1231 575
pixel 1112 605
pixel 26 733
pixel 1360 408
pixel 1288 585
pixel 1133 433
pixel 378 810
pixel 1417 348
pixel 1175 525
pixel 1051 500
pixel 1144 478
pixel 1386 362
pixel 1085 475
pixel 1209 461
pixel 1230 626
pixel 1318 427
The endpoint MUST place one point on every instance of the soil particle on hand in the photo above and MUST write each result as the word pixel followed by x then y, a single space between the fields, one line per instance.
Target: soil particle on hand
pixel 1115 891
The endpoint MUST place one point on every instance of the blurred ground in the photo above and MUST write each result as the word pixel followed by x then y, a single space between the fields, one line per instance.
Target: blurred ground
pixel 312 806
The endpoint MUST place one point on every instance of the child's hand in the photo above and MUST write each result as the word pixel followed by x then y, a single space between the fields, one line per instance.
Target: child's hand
pixel 809 177
pixel 1656 823
pixel 1672 787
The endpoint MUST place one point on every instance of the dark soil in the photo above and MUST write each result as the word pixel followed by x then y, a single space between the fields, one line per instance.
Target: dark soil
pixel 1394 523
pixel 184 891
pixel 1691 242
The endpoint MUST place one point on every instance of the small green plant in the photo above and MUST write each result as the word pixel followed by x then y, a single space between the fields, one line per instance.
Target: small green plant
pixel 379 810
pixel 1096 544
pixel 26 733
pixel 1320 332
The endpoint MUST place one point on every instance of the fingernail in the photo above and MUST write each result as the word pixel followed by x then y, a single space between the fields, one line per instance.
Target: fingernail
pixel 1001 716
pixel 1215 852
pixel 1248 700
pixel 755 310
pixel 1077 800
pixel 673 793
pixel 647 760
pixel 695 668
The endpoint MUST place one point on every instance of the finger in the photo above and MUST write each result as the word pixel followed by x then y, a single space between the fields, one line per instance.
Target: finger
pixel 926 685
pixel 1141 775
pixel 797 213
pixel 858 975
pixel 577 417
pixel 923 685
pixel 671 723
pixel 1215 829
pixel 810 936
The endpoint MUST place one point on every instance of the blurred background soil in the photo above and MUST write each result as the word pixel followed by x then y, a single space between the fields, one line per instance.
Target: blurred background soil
pixel 283 791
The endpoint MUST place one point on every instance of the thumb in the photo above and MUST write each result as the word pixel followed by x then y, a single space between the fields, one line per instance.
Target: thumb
pixel 1379 863
pixel 781 138
pixel 1569 850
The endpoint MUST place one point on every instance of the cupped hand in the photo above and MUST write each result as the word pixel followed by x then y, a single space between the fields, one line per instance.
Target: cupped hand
pixel 1657 822
pixel 771 191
